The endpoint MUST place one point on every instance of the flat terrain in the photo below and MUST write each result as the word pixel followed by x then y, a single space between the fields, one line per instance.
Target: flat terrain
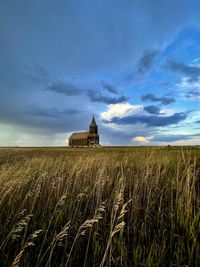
pixel 117 206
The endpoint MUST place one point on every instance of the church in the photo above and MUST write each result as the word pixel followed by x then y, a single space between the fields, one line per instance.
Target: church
pixel 86 139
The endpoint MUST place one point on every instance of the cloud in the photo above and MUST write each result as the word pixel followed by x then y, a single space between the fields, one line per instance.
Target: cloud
pixel 140 139
pixel 120 110
pixel 110 88
pixel 147 60
pixel 188 142
pixel 143 65
pixel 116 134
pixel 193 94
pixel 44 119
pixel 63 88
pixel 51 112
pixel 153 120
pixel 95 96
pixel 186 83
pixel 36 73
pixel 15 136
pixel 152 98
pixel 173 137
pixel 191 88
pixel 193 72
pixel 127 114
pixel 152 109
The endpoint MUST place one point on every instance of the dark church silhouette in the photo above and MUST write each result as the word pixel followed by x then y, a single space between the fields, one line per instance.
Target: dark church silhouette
pixel 86 139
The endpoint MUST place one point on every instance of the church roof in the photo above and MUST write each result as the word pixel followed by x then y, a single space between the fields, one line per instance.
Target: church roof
pixel 93 122
pixel 81 135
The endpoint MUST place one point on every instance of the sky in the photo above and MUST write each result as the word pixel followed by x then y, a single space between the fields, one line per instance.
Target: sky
pixel 133 64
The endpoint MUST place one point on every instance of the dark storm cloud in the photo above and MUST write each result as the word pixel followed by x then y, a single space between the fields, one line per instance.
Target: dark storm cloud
pixel 51 112
pixel 36 73
pixel 44 120
pixel 95 96
pixel 153 120
pixel 192 72
pixel 144 64
pixel 147 60
pixel 110 88
pixel 63 88
pixel 152 109
pixel 152 98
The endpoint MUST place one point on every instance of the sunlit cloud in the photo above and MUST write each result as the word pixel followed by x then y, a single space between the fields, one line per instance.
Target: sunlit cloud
pixel 140 139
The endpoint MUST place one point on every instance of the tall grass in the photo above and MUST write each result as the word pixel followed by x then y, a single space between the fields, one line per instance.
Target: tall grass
pixel 100 207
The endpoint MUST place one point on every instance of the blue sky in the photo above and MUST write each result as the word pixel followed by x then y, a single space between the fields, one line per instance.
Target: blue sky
pixel 135 65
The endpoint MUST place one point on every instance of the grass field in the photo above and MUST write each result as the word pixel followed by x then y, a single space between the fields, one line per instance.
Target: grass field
pixel 100 207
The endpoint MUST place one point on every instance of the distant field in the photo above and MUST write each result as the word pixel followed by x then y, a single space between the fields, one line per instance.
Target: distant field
pixel 107 206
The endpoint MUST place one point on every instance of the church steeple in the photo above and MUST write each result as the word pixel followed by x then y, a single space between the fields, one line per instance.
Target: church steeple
pixel 93 126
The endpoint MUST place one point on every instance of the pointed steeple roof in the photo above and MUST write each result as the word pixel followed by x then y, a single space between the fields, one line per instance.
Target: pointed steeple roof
pixel 93 122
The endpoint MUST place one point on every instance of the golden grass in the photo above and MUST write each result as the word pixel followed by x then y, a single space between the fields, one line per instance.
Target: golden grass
pixel 100 207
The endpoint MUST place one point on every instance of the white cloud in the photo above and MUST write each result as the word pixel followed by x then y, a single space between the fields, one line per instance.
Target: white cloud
pixel 196 60
pixel 188 88
pixel 189 142
pixel 126 109
pixel 187 84
pixel 121 110
pixel 195 116
pixel 140 139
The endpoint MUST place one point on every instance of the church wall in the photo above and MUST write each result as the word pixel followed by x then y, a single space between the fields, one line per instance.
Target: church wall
pixel 78 142
pixel 94 140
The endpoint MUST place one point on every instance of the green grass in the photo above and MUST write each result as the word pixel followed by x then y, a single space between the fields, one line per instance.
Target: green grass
pixel 119 206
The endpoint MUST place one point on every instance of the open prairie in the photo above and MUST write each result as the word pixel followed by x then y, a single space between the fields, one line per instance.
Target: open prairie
pixel 117 206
